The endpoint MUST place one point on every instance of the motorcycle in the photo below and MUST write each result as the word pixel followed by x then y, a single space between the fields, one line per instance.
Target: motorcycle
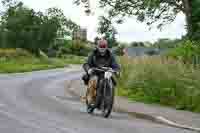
pixel 107 85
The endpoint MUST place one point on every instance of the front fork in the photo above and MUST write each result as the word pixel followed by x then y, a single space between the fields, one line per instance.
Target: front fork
pixel 107 91
pixel 104 91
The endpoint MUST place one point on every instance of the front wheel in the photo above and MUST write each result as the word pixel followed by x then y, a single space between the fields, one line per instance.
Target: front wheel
pixel 108 99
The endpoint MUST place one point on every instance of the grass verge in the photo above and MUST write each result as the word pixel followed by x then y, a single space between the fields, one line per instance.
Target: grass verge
pixel 157 80
pixel 30 63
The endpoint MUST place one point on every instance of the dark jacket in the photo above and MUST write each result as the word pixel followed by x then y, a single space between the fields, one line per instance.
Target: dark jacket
pixel 96 60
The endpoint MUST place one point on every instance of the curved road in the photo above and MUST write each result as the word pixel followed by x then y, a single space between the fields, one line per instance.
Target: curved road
pixel 35 103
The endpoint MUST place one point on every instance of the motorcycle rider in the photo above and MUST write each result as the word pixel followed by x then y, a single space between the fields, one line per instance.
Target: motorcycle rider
pixel 100 57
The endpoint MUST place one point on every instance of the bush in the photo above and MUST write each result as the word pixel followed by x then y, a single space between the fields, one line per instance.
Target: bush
pixel 155 80
pixel 80 49
pixel 120 50
pixel 7 52
pixel 63 51
pixel 185 51
pixel 14 53
pixel 73 59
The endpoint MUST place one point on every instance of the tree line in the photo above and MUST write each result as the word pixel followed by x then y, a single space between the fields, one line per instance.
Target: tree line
pixel 160 43
pixel 22 27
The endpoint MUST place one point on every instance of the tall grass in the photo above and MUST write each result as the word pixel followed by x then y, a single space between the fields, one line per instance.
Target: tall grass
pixel 160 80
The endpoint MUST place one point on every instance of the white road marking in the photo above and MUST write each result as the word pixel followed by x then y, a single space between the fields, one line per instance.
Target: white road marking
pixel 171 123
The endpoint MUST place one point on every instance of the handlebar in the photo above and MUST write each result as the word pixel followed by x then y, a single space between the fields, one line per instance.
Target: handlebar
pixel 107 69
pixel 104 69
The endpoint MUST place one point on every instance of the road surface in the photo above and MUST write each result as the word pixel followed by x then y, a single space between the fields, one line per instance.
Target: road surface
pixel 35 103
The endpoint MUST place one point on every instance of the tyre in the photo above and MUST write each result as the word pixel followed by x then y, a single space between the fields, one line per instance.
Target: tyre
pixel 108 99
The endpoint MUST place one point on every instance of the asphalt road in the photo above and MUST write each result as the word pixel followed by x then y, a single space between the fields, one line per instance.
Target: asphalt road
pixel 35 103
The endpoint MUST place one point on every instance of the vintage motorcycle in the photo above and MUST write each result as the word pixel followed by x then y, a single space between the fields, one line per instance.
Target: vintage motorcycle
pixel 106 84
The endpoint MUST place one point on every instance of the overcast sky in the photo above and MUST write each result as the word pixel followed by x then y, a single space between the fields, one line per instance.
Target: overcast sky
pixel 129 31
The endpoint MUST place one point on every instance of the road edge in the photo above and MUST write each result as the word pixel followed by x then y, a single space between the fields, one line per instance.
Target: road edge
pixel 155 119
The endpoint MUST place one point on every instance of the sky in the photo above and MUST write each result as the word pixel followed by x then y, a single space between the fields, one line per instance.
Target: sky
pixel 129 31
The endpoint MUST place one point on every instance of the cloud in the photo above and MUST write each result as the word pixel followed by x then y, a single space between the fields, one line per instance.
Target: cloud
pixel 132 30
pixel 129 31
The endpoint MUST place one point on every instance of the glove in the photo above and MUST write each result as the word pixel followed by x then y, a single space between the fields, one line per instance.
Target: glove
pixel 108 75
pixel 90 71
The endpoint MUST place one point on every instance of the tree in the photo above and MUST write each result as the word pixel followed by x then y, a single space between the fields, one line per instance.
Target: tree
pixel 166 43
pixel 106 28
pixel 22 27
pixel 154 11
pixel 137 44
pixel 105 25
pixel 96 39
pixel 195 20
pixel 65 26
pixel 110 36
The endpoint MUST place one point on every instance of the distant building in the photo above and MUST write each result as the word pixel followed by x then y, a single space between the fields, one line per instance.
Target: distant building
pixel 80 34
